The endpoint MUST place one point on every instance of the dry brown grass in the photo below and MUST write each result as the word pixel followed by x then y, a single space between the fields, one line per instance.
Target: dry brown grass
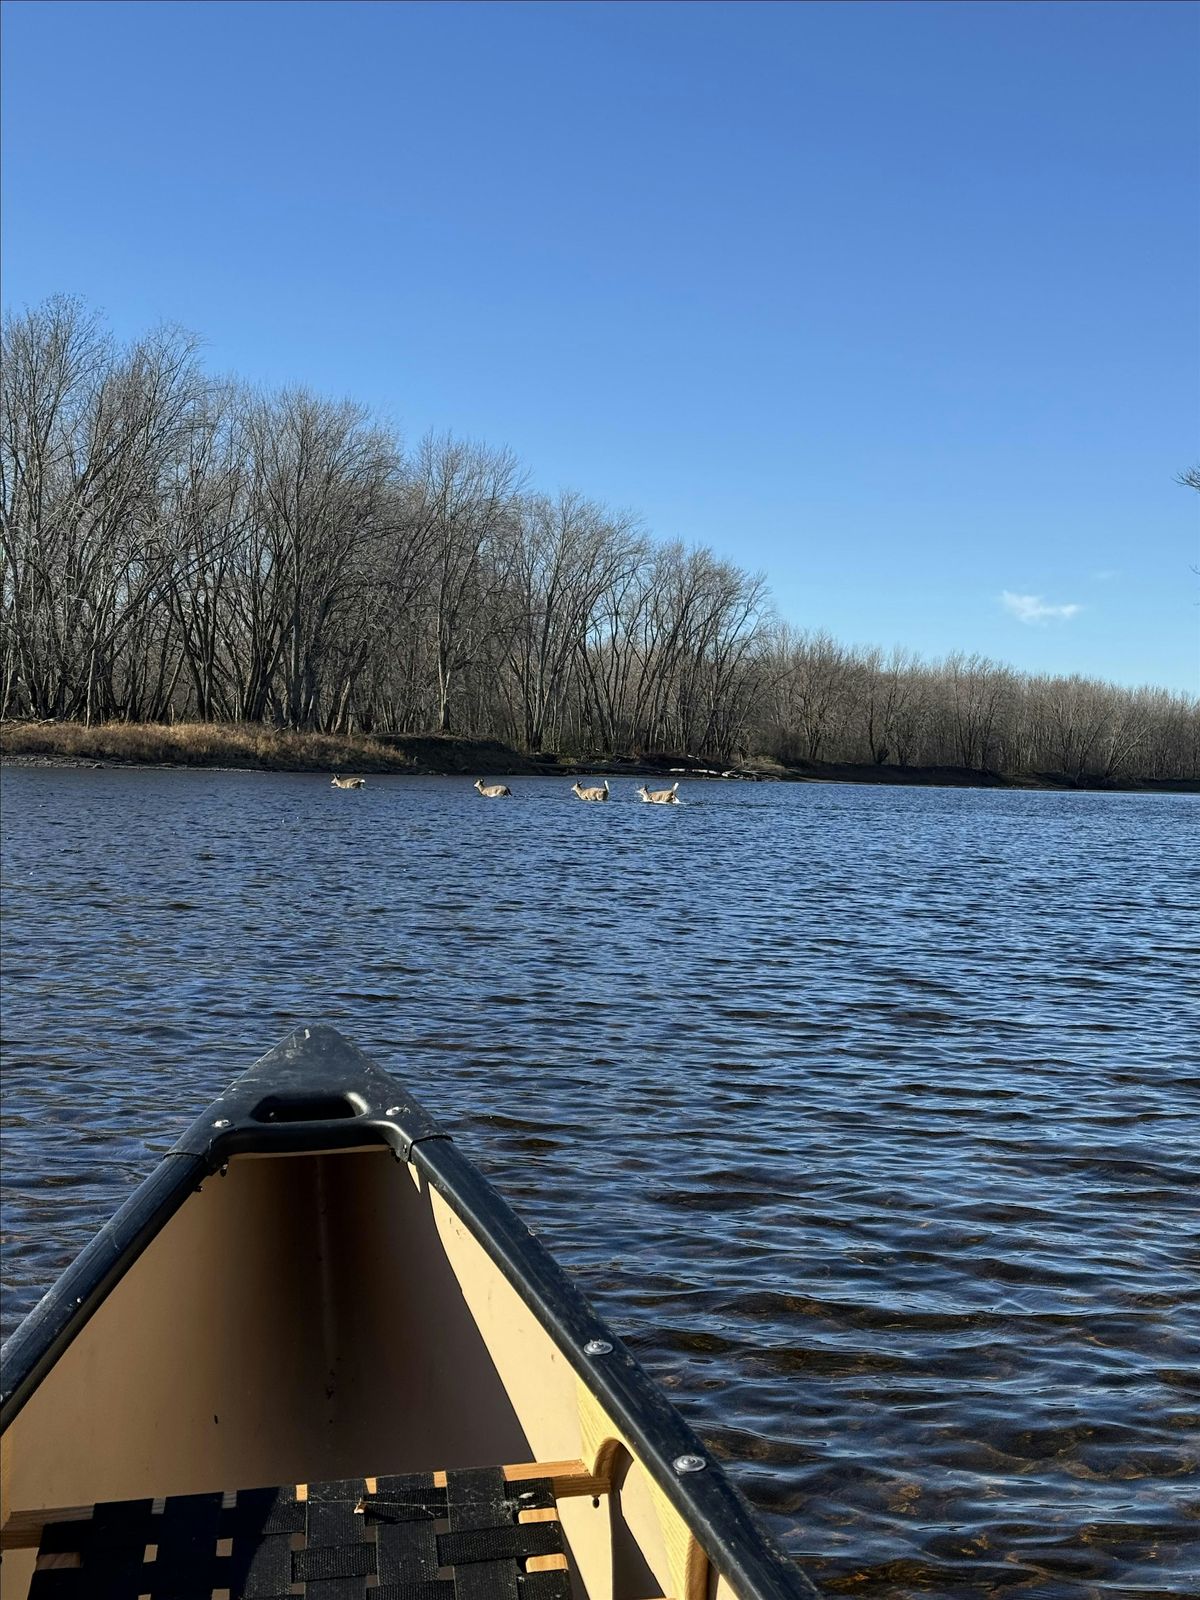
pixel 200 744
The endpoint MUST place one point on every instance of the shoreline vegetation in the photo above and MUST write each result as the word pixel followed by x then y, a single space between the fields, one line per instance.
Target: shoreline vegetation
pixel 256 578
pixel 251 748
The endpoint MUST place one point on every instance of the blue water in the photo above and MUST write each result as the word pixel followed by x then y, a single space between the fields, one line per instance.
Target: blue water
pixel 868 1115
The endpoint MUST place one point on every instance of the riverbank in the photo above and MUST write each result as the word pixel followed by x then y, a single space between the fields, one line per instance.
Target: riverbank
pixel 243 745
pixel 253 748
pixel 249 747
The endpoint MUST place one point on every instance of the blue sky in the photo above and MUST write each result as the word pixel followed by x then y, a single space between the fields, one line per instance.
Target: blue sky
pixel 897 303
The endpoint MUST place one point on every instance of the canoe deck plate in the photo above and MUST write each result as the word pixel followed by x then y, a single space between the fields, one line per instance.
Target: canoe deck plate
pixel 478 1537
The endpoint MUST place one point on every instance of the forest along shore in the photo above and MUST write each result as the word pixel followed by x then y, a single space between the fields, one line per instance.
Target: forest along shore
pixel 204 553
pixel 255 748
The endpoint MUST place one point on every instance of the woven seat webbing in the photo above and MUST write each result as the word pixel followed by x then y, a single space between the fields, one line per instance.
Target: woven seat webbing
pixel 409 1539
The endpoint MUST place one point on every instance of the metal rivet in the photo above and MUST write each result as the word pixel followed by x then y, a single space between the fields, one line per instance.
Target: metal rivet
pixel 689 1463
pixel 392 1111
pixel 597 1347
pixel 221 1122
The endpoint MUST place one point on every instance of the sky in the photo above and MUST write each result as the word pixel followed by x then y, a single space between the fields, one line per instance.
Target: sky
pixel 897 303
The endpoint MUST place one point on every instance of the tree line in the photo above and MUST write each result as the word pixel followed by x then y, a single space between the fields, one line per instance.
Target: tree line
pixel 181 548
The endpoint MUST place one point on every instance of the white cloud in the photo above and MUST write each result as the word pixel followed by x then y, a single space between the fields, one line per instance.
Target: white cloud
pixel 1032 608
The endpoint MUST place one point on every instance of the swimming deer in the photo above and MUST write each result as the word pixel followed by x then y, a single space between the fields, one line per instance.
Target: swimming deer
pixel 348 783
pixel 492 791
pixel 660 797
pixel 590 793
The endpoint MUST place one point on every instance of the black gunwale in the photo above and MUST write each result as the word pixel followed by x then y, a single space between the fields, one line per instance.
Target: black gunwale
pixel 315 1062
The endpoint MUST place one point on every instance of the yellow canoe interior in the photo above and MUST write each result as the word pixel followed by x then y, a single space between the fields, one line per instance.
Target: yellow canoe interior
pixel 315 1316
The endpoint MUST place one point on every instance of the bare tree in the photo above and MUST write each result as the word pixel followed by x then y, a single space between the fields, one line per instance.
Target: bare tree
pixel 887 690
pixel 90 436
pixel 564 554
pixel 811 693
pixel 460 496
pixel 321 492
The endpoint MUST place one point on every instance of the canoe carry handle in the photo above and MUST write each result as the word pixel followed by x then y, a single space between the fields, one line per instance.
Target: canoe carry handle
pixel 301 1106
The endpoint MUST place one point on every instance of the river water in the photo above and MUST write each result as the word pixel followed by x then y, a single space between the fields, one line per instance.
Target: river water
pixel 867 1115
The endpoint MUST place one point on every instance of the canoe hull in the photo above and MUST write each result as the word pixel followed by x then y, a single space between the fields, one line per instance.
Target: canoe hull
pixel 351 1307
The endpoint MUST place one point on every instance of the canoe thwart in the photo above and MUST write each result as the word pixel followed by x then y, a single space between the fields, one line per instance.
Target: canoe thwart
pixel 390 1538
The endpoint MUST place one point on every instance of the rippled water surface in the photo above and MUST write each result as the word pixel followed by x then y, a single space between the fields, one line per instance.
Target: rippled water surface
pixel 868 1116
